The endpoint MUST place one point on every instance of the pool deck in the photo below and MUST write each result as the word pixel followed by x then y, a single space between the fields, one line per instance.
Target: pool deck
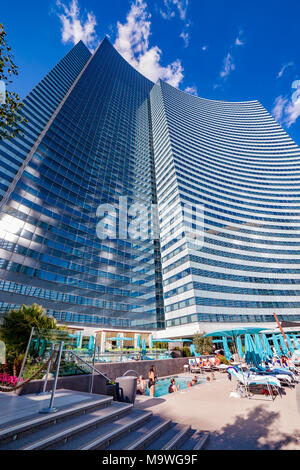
pixel 234 423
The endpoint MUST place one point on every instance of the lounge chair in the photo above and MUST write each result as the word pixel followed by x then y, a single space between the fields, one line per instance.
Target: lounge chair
pixel 284 379
pixel 194 367
pixel 245 381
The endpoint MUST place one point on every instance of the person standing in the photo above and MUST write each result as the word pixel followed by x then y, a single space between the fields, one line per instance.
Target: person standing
pixel 151 381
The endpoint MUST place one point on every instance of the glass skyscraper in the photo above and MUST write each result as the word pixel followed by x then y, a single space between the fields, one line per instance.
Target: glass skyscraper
pixel 105 144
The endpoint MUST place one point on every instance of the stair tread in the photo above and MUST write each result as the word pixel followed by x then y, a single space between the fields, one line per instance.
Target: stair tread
pixel 82 440
pixel 159 442
pixel 54 429
pixel 192 441
pixel 37 419
pixel 130 438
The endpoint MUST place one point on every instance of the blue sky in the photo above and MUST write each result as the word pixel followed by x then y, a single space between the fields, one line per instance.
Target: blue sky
pixel 219 49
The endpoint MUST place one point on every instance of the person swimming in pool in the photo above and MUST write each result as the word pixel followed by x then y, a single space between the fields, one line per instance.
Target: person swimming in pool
pixel 173 387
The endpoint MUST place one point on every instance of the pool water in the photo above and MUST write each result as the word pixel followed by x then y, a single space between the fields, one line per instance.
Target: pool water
pixel 162 385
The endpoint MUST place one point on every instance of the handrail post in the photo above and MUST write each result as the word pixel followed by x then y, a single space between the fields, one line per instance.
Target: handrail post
pixel 94 360
pixel 25 356
pixel 47 373
pixel 51 409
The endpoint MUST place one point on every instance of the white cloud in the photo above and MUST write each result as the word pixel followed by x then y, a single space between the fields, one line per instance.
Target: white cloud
pixel 286 111
pixel 283 69
pixel 133 44
pixel 228 66
pixel 74 28
pixel 171 6
pixel 186 38
pixel 279 106
pixel 239 41
pixel 192 90
pixel 228 62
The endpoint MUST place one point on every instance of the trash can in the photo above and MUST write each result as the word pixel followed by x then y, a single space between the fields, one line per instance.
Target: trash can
pixel 127 389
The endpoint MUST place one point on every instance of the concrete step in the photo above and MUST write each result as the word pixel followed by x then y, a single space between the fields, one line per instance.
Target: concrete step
pixel 170 439
pixel 196 441
pixel 105 435
pixel 25 427
pixel 129 438
pixel 146 439
pixel 118 429
pixel 70 429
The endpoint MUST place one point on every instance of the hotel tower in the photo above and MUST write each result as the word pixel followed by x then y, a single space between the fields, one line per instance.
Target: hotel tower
pixel 103 147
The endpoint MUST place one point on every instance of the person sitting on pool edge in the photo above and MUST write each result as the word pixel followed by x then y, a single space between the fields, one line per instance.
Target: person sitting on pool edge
pixel 141 388
pixel 195 380
pixel 173 387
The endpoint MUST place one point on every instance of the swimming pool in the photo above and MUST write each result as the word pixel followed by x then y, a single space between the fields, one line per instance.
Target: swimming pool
pixel 162 385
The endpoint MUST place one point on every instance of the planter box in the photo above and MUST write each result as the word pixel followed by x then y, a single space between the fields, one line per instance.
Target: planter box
pixel 112 391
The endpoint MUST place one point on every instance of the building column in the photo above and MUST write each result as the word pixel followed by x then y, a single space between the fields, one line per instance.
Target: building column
pixel 103 341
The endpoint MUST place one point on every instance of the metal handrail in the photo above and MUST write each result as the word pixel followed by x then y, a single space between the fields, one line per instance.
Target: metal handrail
pixel 127 372
pixel 89 365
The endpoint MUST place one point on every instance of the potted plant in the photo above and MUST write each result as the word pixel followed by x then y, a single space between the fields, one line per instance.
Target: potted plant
pixel 112 389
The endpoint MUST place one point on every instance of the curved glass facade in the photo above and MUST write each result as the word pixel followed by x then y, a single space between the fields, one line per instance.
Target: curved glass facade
pixel 232 163
pixel 225 176
pixel 95 147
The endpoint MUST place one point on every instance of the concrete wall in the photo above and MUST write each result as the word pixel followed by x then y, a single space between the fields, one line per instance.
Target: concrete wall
pixel 163 368
pixel 79 383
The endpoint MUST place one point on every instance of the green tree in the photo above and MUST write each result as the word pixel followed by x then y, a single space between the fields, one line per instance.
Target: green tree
pixel 203 345
pixel 15 331
pixel 10 115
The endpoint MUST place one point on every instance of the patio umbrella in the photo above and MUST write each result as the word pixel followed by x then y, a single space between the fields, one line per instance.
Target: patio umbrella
pixel 291 347
pixel 283 345
pixel 91 343
pixel 276 345
pixel 118 341
pixel 239 347
pixel 295 341
pixel 260 348
pixel 144 348
pixel 235 332
pixel 151 341
pixel 267 346
pixel 139 342
pixel 78 340
pixel 226 349
pixel 251 355
pixel 193 350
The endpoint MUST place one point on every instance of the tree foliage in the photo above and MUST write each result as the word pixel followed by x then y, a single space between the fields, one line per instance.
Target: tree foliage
pixel 16 328
pixel 203 345
pixel 10 110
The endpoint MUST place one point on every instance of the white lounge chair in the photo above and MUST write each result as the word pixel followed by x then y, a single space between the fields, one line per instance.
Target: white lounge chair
pixel 245 381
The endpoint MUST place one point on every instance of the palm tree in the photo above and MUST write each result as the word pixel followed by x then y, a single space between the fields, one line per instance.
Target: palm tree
pixel 16 328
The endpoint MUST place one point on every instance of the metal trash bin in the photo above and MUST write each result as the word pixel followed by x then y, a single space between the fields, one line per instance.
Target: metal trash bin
pixel 127 389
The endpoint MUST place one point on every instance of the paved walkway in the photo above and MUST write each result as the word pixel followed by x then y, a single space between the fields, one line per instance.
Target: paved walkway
pixel 234 423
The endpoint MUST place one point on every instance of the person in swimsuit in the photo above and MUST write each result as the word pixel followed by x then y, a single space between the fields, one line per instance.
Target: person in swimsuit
pixel 151 381
pixel 173 387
